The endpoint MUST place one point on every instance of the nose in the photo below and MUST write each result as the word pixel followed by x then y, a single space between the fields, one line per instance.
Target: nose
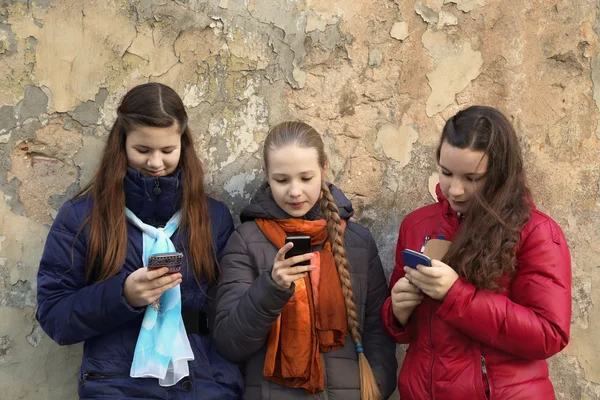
pixel 295 190
pixel 155 161
pixel 457 188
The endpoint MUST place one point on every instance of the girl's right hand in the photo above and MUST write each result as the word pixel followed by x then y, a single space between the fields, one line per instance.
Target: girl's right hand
pixel 405 298
pixel 284 273
pixel 144 286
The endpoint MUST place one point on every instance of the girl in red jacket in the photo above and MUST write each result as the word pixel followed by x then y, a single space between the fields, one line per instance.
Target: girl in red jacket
pixel 482 321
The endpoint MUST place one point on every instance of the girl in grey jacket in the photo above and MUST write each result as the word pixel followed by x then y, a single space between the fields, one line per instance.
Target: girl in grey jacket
pixel 303 331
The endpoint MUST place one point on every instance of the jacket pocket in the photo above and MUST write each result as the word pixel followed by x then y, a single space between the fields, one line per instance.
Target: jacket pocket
pixel 98 375
pixel 118 385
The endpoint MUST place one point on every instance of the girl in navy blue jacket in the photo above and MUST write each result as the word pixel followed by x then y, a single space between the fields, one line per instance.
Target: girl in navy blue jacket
pixel 147 195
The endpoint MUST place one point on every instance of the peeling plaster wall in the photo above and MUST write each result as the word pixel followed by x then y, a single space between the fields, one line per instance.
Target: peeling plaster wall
pixel 377 78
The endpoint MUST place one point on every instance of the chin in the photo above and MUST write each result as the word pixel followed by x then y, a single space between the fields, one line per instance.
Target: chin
pixel 461 208
pixel 296 213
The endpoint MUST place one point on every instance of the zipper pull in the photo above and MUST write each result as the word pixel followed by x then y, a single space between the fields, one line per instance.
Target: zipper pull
pixel 483 368
pixel 156 189
pixel 83 379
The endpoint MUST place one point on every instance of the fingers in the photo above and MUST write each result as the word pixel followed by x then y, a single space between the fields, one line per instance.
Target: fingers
pixel 300 269
pixel 432 272
pixel 406 296
pixel 439 264
pixel 297 259
pixel 165 280
pixel 403 285
pixel 409 303
pixel 418 280
pixel 155 273
pixel 421 274
pixel 157 292
pixel 291 274
pixel 406 300
pixel 280 256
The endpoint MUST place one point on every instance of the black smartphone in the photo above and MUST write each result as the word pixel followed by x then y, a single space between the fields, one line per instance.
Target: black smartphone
pixel 301 246
pixel 171 260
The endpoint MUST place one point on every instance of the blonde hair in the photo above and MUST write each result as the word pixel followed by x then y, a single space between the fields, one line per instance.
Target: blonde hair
pixel 303 135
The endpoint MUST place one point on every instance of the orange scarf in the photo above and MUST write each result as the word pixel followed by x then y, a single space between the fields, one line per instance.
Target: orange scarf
pixel 313 320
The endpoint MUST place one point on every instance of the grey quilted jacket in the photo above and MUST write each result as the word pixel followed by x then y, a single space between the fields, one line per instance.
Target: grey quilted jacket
pixel 248 302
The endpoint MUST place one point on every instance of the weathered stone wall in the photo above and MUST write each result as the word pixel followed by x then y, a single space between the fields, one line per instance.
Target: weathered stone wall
pixel 376 77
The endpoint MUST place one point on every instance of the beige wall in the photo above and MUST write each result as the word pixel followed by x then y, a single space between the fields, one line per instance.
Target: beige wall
pixel 376 77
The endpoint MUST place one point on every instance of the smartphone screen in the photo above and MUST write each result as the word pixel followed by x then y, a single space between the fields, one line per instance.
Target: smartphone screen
pixel 171 260
pixel 301 246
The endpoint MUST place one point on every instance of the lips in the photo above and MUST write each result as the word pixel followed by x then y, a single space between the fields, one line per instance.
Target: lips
pixel 296 206
pixel 155 173
pixel 459 203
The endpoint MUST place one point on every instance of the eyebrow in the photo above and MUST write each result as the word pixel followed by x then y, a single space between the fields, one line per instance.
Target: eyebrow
pixel 141 146
pixel 301 173
pixel 478 174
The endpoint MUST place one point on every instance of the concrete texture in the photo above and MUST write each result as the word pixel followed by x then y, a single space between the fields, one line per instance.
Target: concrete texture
pixel 377 78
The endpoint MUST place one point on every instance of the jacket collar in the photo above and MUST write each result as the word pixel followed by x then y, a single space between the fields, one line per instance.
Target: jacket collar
pixel 153 200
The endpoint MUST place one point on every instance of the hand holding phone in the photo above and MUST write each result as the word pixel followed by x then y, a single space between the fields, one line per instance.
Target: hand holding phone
pixel 435 280
pixel 145 285
pixel 293 263
pixel 301 246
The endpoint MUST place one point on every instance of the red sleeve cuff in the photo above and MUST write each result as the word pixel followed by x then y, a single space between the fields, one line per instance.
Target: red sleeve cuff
pixel 456 291
pixel 399 333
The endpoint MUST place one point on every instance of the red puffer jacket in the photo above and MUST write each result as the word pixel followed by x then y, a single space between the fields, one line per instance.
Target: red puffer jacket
pixel 477 344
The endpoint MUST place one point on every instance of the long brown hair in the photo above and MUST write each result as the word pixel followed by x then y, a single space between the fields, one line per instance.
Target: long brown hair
pixel 484 250
pixel 154 105
pixel 303 135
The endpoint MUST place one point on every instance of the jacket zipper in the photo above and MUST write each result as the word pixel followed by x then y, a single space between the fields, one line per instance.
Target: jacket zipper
pixel 98 375
pixel 156 189
pixel 487 388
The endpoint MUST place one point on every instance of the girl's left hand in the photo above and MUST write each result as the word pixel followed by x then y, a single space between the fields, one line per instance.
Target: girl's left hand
pixel 434 281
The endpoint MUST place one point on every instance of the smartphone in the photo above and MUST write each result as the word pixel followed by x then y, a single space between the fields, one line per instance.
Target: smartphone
pixel 413 258
pixel 301 246
pixel 170 260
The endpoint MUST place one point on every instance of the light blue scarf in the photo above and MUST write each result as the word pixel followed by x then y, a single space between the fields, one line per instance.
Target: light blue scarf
pixel 163 348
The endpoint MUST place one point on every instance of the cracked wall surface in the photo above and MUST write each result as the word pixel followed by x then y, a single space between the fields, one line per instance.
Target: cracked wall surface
pixel 377 78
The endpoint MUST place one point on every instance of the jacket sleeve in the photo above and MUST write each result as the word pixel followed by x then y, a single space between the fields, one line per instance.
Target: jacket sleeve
pixel 247 303
pixel 534 323
pixel 225 230
pixel 379 348
pixel 401 334
pixel 222 230
pixel 69 310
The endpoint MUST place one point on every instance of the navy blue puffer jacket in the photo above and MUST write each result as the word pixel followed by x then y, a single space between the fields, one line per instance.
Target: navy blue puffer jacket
pixel 70 310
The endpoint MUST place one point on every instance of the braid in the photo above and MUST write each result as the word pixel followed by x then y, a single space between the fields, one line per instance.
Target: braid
pixel 368 386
